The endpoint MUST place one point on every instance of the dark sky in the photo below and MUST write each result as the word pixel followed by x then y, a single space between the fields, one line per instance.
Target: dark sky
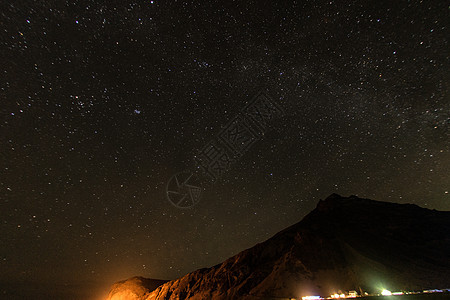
pixel 102 102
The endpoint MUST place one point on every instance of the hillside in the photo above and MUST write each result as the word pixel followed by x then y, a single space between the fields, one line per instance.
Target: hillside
pixel 346 243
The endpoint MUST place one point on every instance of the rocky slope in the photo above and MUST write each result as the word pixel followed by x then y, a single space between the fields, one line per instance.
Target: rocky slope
pixel 344 244
pixel 135 288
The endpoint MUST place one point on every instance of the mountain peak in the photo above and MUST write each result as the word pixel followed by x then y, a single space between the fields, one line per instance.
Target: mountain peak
pixel 332 197
pixel 336 201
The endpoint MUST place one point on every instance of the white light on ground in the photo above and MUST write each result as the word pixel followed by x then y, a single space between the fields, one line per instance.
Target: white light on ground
pixel 386 293
pixel 336 296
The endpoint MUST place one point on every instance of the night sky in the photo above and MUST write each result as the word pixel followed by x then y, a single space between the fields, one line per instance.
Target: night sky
pixel 102 102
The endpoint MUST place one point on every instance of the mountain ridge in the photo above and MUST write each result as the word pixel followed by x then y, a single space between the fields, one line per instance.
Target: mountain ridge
pixel 345 243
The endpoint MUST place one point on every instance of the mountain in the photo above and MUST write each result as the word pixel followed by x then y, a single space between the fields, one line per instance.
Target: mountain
pixel 345 243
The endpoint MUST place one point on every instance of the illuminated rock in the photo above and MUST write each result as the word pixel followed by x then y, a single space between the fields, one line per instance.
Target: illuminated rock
pixel 136 288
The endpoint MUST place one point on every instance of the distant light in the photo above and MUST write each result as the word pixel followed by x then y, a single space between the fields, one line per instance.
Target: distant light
pixel 311 297
pixel 386 293
pixel 397 293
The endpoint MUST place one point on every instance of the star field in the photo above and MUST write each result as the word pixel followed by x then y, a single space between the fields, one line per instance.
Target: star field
pixel 102 102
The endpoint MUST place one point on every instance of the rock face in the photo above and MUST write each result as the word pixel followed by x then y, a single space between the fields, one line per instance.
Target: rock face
pixel 346 243
pixel 135 288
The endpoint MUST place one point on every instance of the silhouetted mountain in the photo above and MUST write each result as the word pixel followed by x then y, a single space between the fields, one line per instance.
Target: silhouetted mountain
pixel 346 243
